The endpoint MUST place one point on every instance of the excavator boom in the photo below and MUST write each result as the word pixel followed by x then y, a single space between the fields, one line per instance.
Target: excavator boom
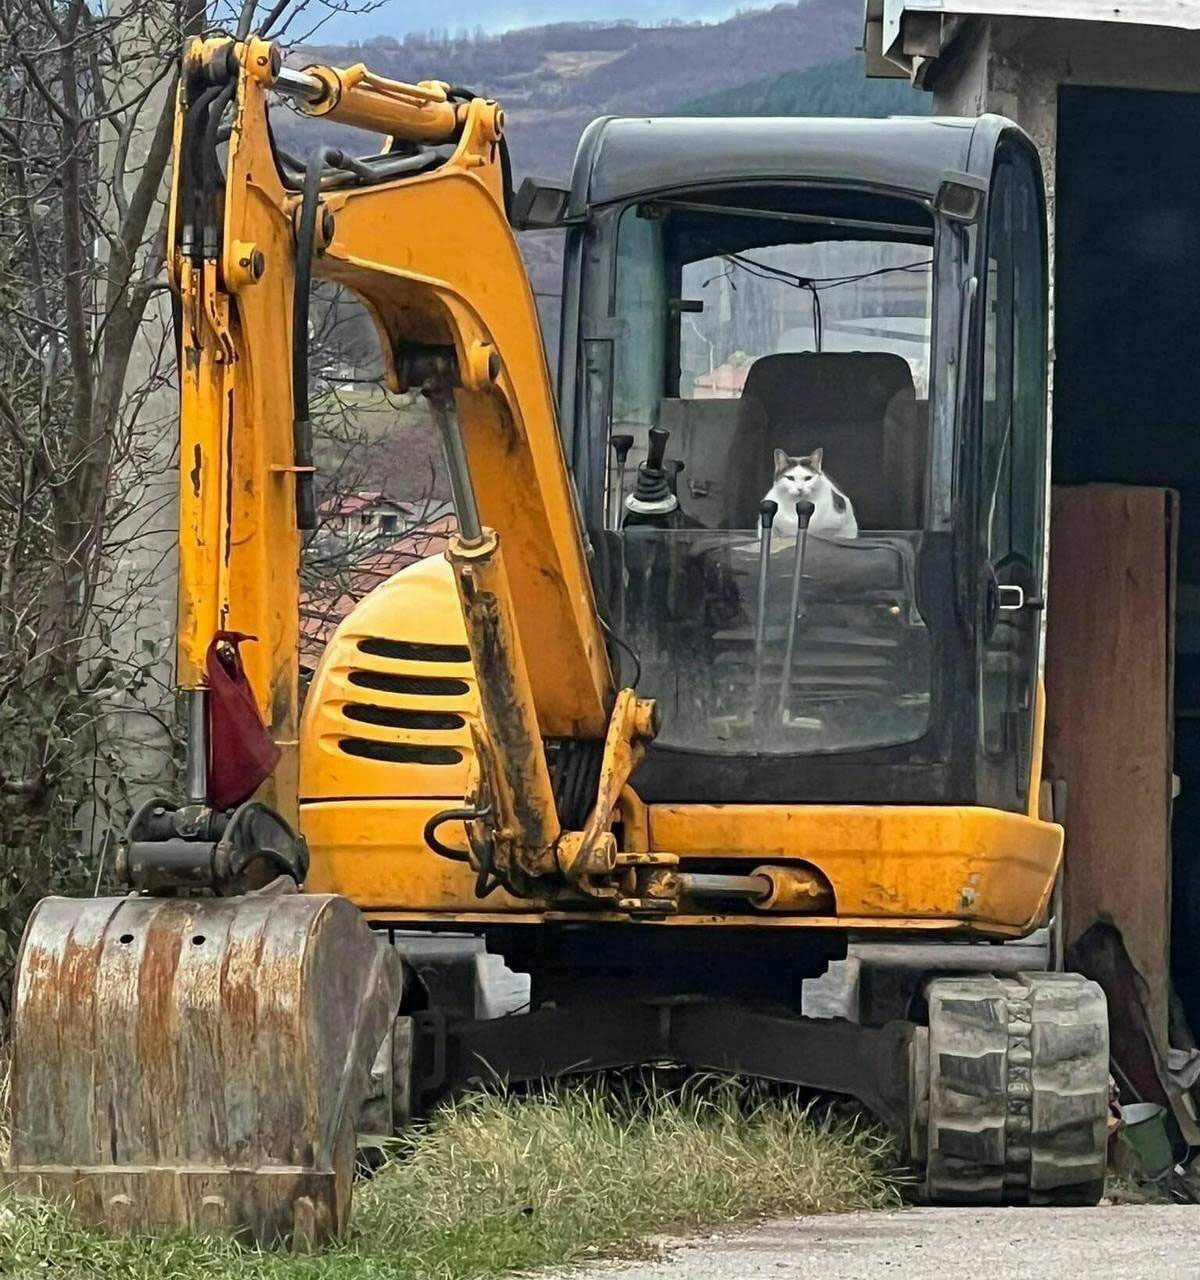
pixel 426 246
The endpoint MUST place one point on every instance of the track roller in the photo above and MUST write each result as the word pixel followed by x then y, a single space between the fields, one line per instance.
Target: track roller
pixel 1011 1089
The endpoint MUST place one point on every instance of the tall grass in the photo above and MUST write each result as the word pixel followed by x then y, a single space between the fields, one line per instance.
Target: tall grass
pixel 494 1185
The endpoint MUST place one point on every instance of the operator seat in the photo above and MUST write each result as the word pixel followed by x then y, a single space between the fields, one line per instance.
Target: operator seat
pixel 860 407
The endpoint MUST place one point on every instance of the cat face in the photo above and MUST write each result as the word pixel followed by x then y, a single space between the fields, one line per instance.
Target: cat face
pixel 798 476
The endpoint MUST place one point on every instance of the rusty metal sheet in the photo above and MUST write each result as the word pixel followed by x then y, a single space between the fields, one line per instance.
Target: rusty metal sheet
pixel 198 1062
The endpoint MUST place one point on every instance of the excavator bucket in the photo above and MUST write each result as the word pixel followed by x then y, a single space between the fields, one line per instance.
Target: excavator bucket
pixel 198 1063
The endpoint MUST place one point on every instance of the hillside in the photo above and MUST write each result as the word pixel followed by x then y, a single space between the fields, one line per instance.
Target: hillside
pixel 838 88
pixel 554 79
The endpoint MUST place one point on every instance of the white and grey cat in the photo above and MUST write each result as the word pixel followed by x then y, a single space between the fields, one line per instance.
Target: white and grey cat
pixel 833 514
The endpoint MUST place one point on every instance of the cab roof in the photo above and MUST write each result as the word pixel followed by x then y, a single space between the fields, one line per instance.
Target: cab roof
pixel 622 158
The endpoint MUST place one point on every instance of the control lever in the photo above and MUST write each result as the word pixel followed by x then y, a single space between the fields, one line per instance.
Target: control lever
pixel 657 450
pixel 653 499
pixel 766 518
pixel 620 446
pixel 804 511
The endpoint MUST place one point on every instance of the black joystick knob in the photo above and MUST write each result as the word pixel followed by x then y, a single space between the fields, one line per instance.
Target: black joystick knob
pixel 658 447
pixel 653 494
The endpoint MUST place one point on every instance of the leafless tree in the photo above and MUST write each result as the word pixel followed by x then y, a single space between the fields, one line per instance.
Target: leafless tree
pixel 368 442
pixel 86 110
pixel 87 420
pixel 88 428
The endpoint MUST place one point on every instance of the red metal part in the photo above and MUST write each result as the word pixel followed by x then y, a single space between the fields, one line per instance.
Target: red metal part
pixel 241 753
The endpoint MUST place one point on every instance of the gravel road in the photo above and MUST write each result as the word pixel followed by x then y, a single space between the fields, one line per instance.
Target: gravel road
pixel 1132 1242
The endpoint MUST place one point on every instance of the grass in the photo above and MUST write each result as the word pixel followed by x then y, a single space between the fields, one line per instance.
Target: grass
pixel 494 1185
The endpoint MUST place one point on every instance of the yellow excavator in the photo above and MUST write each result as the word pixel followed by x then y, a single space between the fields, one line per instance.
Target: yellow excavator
pixel 734 656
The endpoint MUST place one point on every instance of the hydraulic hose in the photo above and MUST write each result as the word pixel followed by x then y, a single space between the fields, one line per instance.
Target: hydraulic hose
pixel 302 447
pixel 210 170
pixel 460 94
pixel 192 177
pixel 439 819
pixel 507 176
pixel 486 882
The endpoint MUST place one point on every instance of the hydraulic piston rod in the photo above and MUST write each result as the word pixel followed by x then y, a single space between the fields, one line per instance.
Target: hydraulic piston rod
pixel 698 884
pixel 299 84
pixel 766 517
pixel 804 510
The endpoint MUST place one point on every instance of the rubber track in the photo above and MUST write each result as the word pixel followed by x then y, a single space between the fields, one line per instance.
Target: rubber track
pixel 1018 1090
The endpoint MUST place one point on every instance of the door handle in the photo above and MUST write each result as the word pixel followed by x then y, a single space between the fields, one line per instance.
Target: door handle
pixel 1010 597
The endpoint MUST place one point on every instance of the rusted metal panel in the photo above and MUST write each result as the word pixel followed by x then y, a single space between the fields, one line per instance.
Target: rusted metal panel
pixel 1112 572
pixel 198 1062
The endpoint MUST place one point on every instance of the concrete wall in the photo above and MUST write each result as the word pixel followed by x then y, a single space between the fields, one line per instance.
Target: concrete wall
pixel 136 597
pixel 1015 67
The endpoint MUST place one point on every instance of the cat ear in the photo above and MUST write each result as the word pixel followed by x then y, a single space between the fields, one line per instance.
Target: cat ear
pixel 814 460
pixel 782 463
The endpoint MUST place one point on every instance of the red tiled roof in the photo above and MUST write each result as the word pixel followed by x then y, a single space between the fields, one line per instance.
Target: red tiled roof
pixel 320 614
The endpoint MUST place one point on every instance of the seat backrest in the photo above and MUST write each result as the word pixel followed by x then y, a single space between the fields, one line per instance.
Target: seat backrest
pixel 860 408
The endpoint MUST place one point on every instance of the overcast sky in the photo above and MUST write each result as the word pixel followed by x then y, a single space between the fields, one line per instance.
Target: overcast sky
pixel 396 17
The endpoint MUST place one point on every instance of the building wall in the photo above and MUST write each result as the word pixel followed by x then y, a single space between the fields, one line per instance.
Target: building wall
pixel 1013 67
pixel 136 597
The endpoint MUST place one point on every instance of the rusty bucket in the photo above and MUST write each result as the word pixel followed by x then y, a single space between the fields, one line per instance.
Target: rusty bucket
pixel 198 1063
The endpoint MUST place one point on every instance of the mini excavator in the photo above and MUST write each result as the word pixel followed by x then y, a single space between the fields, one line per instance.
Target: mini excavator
pixel 661 755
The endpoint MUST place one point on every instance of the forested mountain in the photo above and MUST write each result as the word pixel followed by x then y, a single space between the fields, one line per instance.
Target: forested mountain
pixel 554 79
pixel 790 59
pixel 838 88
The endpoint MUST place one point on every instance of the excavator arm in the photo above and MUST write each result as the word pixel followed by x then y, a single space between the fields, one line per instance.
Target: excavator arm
pixel 241 1026
pixel 420 235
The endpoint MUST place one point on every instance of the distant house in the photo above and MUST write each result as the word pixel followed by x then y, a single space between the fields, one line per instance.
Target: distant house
pixel 353 514
pixel 724 383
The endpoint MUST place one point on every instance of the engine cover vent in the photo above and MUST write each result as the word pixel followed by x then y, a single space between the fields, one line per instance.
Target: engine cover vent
pixel 422 686
pixel 410 651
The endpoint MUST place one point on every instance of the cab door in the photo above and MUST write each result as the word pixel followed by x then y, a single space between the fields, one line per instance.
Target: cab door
pixel 1010 515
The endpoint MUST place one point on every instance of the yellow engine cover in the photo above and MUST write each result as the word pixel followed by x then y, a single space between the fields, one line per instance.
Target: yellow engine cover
pixel 385 744
pixel 386 714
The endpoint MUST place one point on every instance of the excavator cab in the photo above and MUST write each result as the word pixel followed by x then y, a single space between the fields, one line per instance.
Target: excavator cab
pixel 751 292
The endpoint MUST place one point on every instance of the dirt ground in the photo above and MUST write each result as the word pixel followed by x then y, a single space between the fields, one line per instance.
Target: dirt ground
pixel 1133 1242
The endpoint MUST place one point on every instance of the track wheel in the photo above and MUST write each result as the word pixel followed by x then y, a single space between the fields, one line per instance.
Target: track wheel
pixel 1017 1101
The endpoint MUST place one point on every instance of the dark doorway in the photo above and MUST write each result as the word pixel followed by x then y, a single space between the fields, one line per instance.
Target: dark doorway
pixel 1127 376
pixel 1127 293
